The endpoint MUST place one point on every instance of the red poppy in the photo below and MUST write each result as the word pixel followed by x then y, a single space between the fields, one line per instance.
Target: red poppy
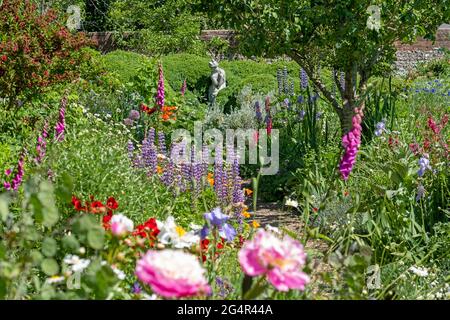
pixel 203 248
pixel 77 204
pixel 147 110
pixel 97 207
pixel 111 203
pixel 106 220
pixel 148 229
pixel 315 209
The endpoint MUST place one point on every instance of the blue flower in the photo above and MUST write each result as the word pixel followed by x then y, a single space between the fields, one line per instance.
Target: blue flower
pixel 300 99
pixel 380 128
pixel 301 114
pixel 420 192
pixel 218 220
pixel 216 217
pixel 424 164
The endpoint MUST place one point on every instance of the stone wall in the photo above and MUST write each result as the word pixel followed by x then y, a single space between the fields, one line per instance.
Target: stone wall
pixel 409 56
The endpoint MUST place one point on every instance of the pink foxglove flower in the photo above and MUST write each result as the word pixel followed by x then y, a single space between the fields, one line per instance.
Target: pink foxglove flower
pixel 281 260
pixel 351 143
pixel 172 274
pixel 160 93
pixel 183 88
pixel 121 225
pixel 61 125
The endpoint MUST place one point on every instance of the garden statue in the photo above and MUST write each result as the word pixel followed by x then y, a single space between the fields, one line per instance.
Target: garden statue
pixel 218 81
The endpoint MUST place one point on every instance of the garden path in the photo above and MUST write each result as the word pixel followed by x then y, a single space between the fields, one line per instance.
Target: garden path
pixel 271 213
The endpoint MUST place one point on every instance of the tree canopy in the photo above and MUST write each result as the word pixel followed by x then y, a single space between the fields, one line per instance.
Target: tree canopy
pixel 356 37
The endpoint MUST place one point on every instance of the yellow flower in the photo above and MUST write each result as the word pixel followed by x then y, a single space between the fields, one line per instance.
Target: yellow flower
pixel 255 224
pixel 159 169
pixel 180 231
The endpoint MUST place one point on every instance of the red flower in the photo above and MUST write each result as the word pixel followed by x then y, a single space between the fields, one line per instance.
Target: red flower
pixel 203 248
pixel 97 207
pixel 77 204
pixel 433 126
pixel 106 220
pixel 148 229
pixel 147 110
pixel 111 203
pixel 315 209
pixel 4 58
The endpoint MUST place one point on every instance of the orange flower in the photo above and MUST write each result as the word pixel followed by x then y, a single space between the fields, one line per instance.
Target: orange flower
pixel 159 170
pixel 248 192
pixel 245 213
pixel 255 224
pixel 211 179
pixel 167 113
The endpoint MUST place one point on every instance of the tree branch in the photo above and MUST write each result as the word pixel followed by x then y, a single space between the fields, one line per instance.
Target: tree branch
pixel 316 81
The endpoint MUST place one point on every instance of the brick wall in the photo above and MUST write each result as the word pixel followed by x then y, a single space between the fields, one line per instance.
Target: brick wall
pixel 408 55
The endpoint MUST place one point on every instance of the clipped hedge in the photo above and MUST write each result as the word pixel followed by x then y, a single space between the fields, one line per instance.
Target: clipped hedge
pixel 195 69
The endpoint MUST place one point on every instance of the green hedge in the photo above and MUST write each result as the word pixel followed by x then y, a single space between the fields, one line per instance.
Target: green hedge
pixel 195 69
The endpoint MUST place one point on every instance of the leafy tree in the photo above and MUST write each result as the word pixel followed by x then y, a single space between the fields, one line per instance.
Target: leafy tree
pixel 36 51
pixel 343 35
pixel 96 15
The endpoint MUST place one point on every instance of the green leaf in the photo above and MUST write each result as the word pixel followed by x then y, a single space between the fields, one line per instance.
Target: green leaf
pixel 70 243
pixel 65 188
pixel 49 247
pixel 4 207
pixel 36 257
pixel 50 267
pixel 46 197
pixel 96 238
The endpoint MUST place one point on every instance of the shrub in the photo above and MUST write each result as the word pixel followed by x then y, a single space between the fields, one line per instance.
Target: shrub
pixel 36 51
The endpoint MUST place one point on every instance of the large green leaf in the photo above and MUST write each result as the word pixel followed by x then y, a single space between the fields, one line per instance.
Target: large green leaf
pixel 96 238
pixel 4 207
pixel 49 247
pixel 50 267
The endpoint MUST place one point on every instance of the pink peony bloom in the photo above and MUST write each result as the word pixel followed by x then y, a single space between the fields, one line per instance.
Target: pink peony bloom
pixel 172 274
pixel 280 259
pixel 121 225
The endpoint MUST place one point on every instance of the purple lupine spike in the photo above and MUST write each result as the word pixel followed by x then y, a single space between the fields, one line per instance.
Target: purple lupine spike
pixel 218 171
pixel 303 79
pixel 258 111
pixel 160 93
pixel 153 155
pixel 61 125
pixel 285 80
pixel 162 143
pixel 223 193
pixel 145 153
pixel 168 176
pixel 197 179
pixel 151 135
pixel 130 148
pixel 280 81
pixel 205 160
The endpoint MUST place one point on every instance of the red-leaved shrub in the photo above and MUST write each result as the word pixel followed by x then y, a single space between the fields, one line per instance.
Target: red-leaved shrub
pixel 36 50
